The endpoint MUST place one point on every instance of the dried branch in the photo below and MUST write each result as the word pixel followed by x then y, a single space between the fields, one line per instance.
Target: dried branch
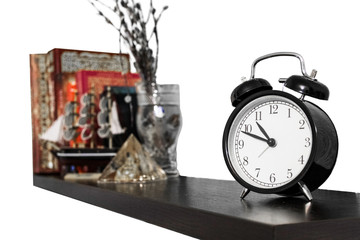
pixel 133 29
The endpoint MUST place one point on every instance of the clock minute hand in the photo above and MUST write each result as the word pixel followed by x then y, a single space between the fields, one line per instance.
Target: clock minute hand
pixel 263 131
pixel 255 136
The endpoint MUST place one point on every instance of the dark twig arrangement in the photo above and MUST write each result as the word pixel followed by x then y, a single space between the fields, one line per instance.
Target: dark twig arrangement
pixel 133 27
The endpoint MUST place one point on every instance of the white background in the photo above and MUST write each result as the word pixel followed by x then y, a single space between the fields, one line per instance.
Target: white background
pixel 206 47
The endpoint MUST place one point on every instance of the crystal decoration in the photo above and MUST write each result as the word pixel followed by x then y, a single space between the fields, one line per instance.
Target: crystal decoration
pixel 132 164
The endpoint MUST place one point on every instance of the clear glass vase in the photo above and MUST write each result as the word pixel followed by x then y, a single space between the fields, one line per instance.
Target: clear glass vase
pixel 158 125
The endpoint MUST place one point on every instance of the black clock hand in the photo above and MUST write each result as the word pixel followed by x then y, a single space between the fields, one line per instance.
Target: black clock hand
pixel 263 131
pixel 270 141
pixel 255 136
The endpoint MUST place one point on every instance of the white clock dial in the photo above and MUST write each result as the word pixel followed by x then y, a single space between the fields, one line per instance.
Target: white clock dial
pixel 270 141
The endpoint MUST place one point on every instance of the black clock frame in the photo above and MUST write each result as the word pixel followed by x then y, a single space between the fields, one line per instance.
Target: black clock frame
pixel 323 153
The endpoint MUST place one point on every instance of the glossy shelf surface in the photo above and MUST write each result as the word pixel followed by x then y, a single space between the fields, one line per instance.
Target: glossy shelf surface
pixel 212 209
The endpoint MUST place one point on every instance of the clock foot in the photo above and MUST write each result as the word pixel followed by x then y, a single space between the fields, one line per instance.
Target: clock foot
pixel 304 189
pixel 244 192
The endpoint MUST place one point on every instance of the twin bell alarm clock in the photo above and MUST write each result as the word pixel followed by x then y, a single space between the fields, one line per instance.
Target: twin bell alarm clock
pixel 274 142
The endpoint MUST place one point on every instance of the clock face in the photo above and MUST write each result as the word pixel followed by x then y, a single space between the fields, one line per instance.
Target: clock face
pixel 269 142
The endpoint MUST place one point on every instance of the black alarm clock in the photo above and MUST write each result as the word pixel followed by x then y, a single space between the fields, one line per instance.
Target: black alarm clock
pixel 275 142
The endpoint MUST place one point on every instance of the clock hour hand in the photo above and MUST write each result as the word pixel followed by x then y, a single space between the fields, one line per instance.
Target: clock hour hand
pixel 270 141
pixel 255 136
pixel 263 131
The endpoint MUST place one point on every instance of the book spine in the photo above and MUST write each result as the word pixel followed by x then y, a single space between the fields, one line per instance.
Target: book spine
pixel 43 160
pixel 64 63
pixel 50 78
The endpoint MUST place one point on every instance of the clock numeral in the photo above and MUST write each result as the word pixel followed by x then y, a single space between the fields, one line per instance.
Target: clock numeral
pixel 258 171
pixel 307 142
pixel 241 144
pixel 289 173
pixel 289 115
pixel 301 160
pixel 245 161
pixel 302 123
pixel 272 178
pixel 274 109
pixel 248 128
pixel 258 116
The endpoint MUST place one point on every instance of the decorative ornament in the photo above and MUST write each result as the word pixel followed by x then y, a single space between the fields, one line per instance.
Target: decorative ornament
pixel 132 165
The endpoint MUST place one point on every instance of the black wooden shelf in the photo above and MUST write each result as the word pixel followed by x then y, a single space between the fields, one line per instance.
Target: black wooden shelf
pixel 212 209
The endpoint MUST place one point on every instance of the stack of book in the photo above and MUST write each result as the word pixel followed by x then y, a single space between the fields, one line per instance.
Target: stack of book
pixel 66 87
